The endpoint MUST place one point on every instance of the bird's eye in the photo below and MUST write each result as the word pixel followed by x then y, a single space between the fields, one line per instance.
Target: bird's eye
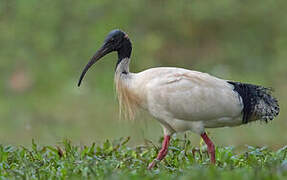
pixel 112 40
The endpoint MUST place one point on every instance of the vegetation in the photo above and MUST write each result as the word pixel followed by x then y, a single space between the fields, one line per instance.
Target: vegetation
pixel 114 160
pixel 45 44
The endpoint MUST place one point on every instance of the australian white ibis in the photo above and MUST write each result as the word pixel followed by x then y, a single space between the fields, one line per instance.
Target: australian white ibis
pixel 182 99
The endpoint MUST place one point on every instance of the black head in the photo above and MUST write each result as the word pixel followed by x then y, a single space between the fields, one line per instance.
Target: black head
pixel 116 40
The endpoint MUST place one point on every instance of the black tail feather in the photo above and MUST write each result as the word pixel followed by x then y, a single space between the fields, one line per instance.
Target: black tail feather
pixel 257 101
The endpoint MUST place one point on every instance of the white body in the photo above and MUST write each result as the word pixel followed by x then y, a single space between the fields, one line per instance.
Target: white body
pixel 182 99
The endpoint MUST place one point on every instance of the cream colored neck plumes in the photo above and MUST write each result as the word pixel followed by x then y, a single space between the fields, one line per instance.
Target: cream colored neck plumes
pixel 128 101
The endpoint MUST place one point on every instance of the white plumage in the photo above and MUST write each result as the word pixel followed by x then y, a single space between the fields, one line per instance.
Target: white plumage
pixel 182 99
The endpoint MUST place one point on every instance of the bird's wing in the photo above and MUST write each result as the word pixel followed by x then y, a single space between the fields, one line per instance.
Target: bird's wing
pixel 192 95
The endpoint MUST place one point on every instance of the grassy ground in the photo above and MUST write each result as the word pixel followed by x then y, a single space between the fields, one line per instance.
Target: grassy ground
pixel 114 160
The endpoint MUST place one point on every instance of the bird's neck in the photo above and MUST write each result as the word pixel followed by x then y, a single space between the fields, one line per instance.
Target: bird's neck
pixel 124 54
pixel 122 68
pixel 128 98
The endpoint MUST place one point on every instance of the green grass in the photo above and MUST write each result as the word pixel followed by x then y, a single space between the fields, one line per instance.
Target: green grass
pixel 115 160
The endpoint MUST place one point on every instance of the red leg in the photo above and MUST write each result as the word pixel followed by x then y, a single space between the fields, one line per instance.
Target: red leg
pixel 162 153
pixel 210 147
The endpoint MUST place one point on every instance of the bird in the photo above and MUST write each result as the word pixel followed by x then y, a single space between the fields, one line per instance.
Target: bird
pixel 181 99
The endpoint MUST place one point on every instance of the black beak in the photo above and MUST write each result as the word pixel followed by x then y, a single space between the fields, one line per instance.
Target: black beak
pixel 105 49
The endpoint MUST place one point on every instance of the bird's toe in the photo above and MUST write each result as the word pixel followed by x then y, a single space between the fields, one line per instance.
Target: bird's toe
pixel 152 164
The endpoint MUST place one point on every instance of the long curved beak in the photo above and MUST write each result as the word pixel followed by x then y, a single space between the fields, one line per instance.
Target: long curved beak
pixel 99 54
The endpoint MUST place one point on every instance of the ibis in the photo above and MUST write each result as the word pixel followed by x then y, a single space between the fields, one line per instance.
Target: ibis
pixel 182 99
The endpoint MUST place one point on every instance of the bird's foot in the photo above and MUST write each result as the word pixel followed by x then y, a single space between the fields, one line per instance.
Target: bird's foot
pixel 152 164
pixel 162 153
pixel 210 147
pixel 212 160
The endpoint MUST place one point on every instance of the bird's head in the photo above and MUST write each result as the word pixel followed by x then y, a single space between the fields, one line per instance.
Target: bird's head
pixel 116 40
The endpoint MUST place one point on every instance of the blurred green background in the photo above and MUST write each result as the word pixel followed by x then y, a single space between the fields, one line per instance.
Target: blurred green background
pixel 44 46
